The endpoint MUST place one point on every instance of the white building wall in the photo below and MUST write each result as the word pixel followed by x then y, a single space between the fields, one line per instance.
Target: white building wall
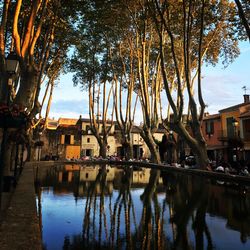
pixel 113 144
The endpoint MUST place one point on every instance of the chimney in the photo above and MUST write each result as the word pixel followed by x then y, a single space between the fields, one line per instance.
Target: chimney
pixel 246 98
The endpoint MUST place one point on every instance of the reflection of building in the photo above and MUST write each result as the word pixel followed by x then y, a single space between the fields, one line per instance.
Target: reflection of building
pixel 79 179
pixel 233 204
pixel 141 176
pixel 88 174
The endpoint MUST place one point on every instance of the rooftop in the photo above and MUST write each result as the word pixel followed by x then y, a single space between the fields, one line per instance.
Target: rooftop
pixel 211 117
pixel 238 106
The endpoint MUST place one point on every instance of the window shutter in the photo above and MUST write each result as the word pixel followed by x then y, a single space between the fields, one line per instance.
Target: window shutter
pixel 62 139
pixel 207 127
pixel 212 127
pixel 72 139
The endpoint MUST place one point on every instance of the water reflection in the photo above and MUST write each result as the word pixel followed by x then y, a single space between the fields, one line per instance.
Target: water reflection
pixel 101 207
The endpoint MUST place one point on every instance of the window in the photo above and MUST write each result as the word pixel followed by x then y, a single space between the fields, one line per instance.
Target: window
pixel 230 127
pixel 67 139
pixel 88 140
pixel 88 152
pixel 117 127
pixel 209 127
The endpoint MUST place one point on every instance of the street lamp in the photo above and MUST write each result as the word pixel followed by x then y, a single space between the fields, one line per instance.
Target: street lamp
pixel 12 68
pixel 12 63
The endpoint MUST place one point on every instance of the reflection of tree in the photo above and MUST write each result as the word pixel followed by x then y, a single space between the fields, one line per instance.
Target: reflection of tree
pixel 241 214
pixel 123 204
pixel 152 219
pixel 115 222
pixel 124 199
pixel 92 199
pixel 189 201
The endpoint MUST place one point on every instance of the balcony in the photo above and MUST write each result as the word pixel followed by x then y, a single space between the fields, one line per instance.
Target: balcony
pixel 224 136
pixel 246 136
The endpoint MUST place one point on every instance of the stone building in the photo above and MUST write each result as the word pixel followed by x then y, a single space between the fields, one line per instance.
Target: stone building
pixel 72 138
pixel 61 140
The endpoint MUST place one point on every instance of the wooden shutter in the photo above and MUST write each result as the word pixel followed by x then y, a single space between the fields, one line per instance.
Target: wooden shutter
pixel 62 139
pixel 72 141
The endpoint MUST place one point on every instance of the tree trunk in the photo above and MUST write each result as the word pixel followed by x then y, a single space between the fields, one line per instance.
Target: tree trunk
pixel 153 148
pixel 151 186
pixel 26 94
pixel 128 150
pixel 3 88
pixel 103 149
pixel 7 158
pixel 195 141
pixel 200 151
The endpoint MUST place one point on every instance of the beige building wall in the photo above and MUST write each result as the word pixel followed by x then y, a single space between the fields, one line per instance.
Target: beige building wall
pixel 146 152
pixel 90 147
pixel 89 143
pixel 112 146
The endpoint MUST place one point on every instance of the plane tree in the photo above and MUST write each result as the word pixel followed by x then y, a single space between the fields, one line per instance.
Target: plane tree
pixel 141 71
pixel 101 107
pixel 196 32
pixel 124 70
pixel 244 10
pixel 102 58
pixel 32 32
pixel 146 77
pixel 90 63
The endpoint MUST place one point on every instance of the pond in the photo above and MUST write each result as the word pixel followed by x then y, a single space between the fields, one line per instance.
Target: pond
pixel 104 207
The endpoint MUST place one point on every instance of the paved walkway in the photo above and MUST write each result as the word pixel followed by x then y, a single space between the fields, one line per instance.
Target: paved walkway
pixel 19 229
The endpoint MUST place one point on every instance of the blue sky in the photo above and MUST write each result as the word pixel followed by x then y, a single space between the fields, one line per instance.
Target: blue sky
pixel 222 87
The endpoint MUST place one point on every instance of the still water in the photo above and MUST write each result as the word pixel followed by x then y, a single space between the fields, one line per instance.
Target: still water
pixel 103 207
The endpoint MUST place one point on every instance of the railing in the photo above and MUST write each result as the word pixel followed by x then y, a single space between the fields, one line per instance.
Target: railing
pixel 224 136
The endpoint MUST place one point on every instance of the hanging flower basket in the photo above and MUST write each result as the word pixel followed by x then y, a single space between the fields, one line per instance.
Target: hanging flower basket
pixel 12 116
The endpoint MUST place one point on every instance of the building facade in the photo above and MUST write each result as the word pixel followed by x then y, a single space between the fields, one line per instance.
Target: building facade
pixel 227 133
pixel 73 139
pixel 211 129
pixel 90 147
pixel 61 139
